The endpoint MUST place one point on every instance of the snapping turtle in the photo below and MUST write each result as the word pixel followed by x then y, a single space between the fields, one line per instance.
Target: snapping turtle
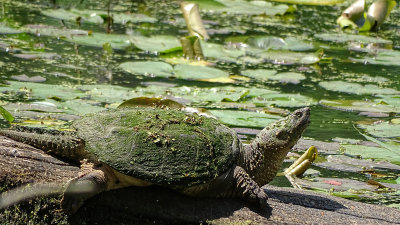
pixel 194 155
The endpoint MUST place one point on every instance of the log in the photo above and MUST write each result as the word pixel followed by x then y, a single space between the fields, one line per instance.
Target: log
pixel 21 164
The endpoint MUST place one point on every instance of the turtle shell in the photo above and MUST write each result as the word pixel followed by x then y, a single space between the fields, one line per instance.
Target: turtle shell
pixel 163 146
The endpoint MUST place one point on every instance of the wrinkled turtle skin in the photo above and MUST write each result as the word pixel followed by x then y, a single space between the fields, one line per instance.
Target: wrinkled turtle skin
pixel 194 155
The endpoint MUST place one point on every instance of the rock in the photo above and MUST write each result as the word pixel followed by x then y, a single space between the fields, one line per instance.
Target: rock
pixel 21 164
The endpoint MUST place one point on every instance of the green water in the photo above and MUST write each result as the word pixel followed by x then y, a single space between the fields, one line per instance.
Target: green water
pixel 80 64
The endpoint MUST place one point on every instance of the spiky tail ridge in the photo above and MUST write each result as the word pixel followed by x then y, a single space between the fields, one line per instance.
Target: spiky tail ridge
pixel 60 143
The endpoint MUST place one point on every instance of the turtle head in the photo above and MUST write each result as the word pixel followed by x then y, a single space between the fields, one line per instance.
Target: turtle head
pixel 291 127
pixel 263 157
pixel 279 137
pixel 287 131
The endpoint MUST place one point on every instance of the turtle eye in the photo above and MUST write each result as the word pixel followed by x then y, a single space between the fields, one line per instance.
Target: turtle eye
pixel 298 114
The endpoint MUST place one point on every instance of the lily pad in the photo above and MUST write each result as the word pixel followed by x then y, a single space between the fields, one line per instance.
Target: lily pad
pixel 287 57
pixel 264 75
pixel 25 78
pixel 181 71
pixel 382 129
pixel 377 153
pixel 284 100
pixel 220 52
pixel 156 43
pixel 37 55
pixel 276 43
pixel 349 164
pixel 249 8
pixel 244 118
pixel 355 88
pixel 310 2
pixel 344 38
pixel 360 106
pixel 148 68
pixel 387 58
pixel 117 41
pixel 191 72
pixel 41 29
pixel 4 29
pixel 96 16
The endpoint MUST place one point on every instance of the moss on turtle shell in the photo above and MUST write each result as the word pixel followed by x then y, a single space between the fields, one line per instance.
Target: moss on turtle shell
pixel 160 145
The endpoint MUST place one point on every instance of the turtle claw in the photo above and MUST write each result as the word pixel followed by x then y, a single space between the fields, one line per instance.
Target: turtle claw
pixel 262 200
pixel 70 204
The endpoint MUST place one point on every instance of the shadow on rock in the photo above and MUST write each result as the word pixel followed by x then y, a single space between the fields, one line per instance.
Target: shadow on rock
pixel 305 198
pixel 156 205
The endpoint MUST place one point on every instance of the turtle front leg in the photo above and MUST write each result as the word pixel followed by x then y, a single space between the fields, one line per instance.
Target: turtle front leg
pixel 247 189
pixel 84 187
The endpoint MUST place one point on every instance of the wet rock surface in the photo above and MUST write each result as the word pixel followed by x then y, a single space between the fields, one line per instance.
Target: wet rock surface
pixel 21 164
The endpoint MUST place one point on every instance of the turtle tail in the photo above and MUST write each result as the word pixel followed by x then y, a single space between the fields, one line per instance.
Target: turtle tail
pixel 65 144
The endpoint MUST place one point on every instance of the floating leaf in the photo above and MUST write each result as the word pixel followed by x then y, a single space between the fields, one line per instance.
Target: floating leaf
pixel 310 2
pixel 190 72
pixel 25 78
pixel 360 106
pixel 40 29
pixel 6 115
pixel 244 118
pixel 250 8
pixel 8 30
pixel 264 75
pixel 220 52
pixel 387 58
pixel 259 74
pixel 343 38
pixel 95 16
pixel 148 68
pixel 355 88
pixel 382 129
pixel 156 43
pixel 117 41
pixel 283 100
pixel 276 43
pixel 181 71
pixel 373 152
pixel 288 58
